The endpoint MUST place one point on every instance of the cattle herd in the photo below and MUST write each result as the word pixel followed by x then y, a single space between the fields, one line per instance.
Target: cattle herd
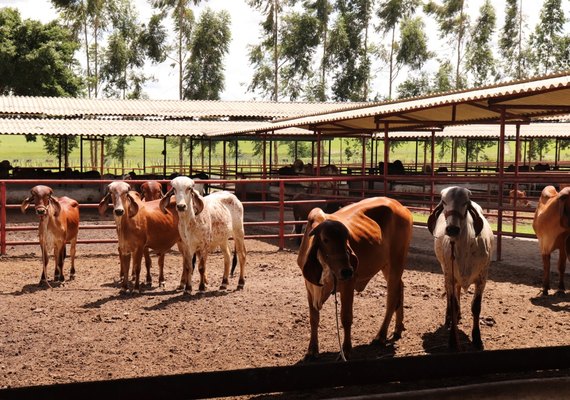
pixel 340 251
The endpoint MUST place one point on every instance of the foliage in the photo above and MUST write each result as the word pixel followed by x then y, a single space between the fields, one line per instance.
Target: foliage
pixel 480 59
pixel 549 46
pixel 36 59
pixel 204 79
pixel 511 46
pixel 56 145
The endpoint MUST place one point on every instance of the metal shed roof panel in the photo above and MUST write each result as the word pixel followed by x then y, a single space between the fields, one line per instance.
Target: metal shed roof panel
pixel 66 107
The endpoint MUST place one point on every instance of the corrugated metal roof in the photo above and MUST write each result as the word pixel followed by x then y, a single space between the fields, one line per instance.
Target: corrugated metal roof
pixel 74 107
pixel 523 100
pixel 536 130
pixel 150 128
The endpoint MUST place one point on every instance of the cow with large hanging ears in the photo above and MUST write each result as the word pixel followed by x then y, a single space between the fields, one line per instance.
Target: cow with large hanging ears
pixel 343 251
pixel 463 243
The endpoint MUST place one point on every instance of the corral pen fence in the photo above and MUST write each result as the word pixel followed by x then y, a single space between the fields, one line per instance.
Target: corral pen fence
pixel 268 203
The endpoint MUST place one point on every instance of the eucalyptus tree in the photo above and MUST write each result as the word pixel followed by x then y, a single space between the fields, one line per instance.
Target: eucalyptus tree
pixel 453 23
pixel 349 51
pixel 479 53
pixel 90 18
pixel 321 10
pixel 264 57
pixel 204 76
pixel 511 42
pixel 391 13
pixel 548 43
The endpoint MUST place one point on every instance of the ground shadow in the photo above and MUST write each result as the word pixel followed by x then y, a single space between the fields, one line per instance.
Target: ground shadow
pixel 556 302
pixel 185 297
pixel 437 342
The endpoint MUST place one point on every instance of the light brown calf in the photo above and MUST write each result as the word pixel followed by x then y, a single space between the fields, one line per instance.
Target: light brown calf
pixel 552 227
pixel 59 224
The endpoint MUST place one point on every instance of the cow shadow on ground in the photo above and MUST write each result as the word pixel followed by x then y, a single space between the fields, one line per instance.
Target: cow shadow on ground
pixel 186 297
pixel 437 342
pixel 362 352
pixel 556 302
pixel 34 287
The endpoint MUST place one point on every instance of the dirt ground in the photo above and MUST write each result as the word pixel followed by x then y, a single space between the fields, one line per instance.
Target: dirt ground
pixel 84 330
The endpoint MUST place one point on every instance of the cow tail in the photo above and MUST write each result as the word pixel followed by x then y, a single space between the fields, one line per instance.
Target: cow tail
pixel 234 263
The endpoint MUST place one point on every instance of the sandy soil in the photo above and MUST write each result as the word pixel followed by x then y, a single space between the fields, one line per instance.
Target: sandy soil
pixel 84 330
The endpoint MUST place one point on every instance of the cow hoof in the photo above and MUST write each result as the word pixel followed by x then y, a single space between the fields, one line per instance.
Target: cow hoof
pixel 378 342
pixel 560 293
pixel 202 287
pixel 241 284
pixel 71 277
pixel 545 292
pixel 223 287
pixel 478 344
pixel 310 358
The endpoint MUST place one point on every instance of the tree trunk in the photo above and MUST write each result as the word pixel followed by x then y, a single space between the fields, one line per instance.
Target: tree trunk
pixel 390 77
pixel 275 52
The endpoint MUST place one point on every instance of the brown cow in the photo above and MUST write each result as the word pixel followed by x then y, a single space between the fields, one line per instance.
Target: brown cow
pixel 140 225
pixel 521 199
pixel 343 251
pixel 552 227
pixel 59 224
pixel 151 190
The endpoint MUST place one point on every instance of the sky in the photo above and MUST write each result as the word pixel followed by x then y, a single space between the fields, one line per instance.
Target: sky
pixel 245 31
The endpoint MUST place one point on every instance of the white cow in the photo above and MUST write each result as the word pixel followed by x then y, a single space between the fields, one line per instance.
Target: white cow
pixel 206 223
pixel 463 245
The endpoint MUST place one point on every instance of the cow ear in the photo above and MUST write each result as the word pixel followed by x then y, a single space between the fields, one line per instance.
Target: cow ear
pixel 312 270
pixel 56 206
pixel 352 256
pixel 432 219
pixel 133 206
pixel 477 220
pixel 198 202
pixel 104 203
pixel 166 200
pixel 26 203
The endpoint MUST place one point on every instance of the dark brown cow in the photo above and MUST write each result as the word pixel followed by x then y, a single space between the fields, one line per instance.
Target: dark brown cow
pixel 343 251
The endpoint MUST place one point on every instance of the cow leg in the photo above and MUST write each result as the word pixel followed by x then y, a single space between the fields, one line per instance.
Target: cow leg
pixel 160 269
pixel 202 270
pixel 346 304
pixel 45 260
pixel 394 303
pixel 476 311
pixel 227 263
pixel 60 258
pixel 72 246
pixel 545 274
pixel 454 330
pixel 314 317
pixel 148 265
pixel 241 252
pixel 137 263
pixel 561 269
pixel 125 264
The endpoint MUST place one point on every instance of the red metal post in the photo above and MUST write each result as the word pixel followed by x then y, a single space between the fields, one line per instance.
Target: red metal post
pixel 281 214
pixel 501 183
pixel 386 158
pixel 2 218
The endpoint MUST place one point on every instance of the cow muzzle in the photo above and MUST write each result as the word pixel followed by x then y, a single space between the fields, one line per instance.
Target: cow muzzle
pixel 181 207
pixel 346 273
pixel 119 212
pixel 452 230
pixel 41 210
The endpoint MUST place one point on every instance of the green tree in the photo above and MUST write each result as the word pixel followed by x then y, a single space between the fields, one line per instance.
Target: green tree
pixel 36 59
pixel 453 23
pixel 547 41
pixel 321 10
pixel 511 42
pixel 204 79
pixel 479 52
pixel 349 50
pixel 391 13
